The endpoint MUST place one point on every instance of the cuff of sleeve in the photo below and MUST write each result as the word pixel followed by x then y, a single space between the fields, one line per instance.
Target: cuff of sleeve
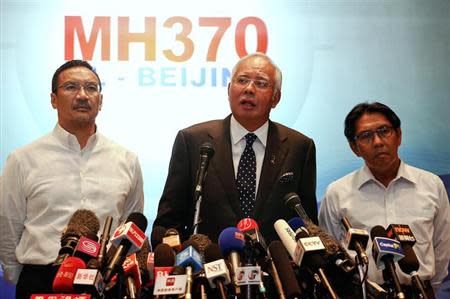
pixel 11 273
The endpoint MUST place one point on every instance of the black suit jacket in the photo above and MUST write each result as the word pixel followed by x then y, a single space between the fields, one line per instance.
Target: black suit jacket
pixel 286 150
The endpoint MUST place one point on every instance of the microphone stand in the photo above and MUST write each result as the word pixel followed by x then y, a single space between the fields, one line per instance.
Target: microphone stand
pixel 198 200
pixel 362 276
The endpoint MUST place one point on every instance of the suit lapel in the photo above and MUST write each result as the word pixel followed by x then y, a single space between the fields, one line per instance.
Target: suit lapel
pixel 223 163
pixel 274 158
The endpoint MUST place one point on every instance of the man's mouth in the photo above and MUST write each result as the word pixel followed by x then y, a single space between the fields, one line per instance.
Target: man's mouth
pixel 247 104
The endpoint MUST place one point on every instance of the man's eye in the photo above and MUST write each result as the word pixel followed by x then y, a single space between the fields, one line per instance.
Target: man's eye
pixel 261 84
pixel 242 80
pixel 71 87
pixel 92 88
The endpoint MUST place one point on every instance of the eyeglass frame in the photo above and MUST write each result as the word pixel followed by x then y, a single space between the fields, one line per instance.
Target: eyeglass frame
pixel 256 82
pixel 371 134
pixel 80 85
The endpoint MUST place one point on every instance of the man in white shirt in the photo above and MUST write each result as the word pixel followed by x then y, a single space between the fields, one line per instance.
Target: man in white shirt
pixel 387 191
pixel 74 167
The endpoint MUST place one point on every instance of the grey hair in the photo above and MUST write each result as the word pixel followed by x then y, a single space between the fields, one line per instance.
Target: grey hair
pixel 278 75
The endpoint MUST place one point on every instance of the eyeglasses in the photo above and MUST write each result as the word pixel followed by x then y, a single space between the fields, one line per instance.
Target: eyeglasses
pixel 244 81
pixel 90 88
pixel 367 137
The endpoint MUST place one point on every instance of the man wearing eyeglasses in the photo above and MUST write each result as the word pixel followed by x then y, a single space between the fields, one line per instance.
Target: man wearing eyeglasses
pixel 251 153
pixel 74 167
pixel 387 191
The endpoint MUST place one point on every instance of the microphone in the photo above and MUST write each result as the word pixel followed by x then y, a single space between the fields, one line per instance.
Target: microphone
pixel 409 264
pixel 250 229
pixel 65 275
pixel 206 153
pixel 142 258
pixel 356 239
pixel 104 239
pixel 172 238
pixel 157 235
pixel 128 238
pixel 216 269
pixel 202 242
pixel 89 281
pixel 297 250
pixel 283 267
pixel 81 223
pixel 164 258
pixel 87 250
pixel 232 242
pixel 386 252
pixel 133 278
pixel 190 259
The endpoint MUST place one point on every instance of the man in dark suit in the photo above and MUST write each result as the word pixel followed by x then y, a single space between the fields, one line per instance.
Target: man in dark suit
pixel 236 188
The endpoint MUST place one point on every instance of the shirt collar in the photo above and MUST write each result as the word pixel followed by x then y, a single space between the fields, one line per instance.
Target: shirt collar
pixel 238 131
pixel 365 176
pixel 71 140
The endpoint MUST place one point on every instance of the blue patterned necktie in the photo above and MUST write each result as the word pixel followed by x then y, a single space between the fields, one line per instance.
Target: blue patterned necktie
pixel 246 176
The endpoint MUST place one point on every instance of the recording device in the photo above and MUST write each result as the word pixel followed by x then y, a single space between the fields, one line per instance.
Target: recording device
pixel 356 239
pixel 386 252
pixel 172 238
pixel 65 275
pixel 288 280
pixel 216 269
pixel 232 242
pixel 128 238
pixel 206 153
pixel 409 264
pixel 157 236
pixel 82 223
pixel 104 239
pixel 190 259
pixel 89 281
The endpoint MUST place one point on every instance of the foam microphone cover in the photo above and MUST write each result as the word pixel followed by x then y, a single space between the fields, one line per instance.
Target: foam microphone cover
pixel 83 223
pixel 231 239
pixel 164 256
pixel 283 265
pixel 202 241
pixel 157 235
pixel 409 263
pixel 141 257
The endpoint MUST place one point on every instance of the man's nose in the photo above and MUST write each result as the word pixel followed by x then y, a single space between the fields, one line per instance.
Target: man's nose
pixel 250 87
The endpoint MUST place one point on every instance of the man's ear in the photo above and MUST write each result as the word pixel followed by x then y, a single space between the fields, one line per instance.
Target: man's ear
pixel 53 100
pixel 354 148
pixel 100 102
pixel 276 98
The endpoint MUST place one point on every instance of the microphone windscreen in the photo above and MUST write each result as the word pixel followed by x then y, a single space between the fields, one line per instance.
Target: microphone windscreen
pixel 138 219
pixel 247 224
pixel 378 231
pixel 207 149
pixel 409 263
pixel 164 256
pixel 231 239
pixel 157 235
pixel 142 256
pixel 203 241
pixel 83 223
pixel 284 269
pixel 213 253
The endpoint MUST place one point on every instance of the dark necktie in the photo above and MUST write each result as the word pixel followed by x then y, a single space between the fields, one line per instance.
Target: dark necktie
pixel 246 176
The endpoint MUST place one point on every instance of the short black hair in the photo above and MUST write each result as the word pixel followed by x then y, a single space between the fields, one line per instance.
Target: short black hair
pixel 70 64
pixel 359 110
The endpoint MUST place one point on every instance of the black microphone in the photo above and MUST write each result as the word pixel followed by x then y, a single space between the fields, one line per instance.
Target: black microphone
pixel 206 153
pixel 157 236
pixel 284 269
pixel 127 236
pixel 409 264
pixel 384 253
pixel 83 223
pixel 104 239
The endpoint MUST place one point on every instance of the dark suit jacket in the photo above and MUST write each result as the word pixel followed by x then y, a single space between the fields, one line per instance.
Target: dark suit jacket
pixel 286 150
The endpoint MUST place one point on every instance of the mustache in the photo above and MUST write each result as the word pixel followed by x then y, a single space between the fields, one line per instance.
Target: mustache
pixel 84 105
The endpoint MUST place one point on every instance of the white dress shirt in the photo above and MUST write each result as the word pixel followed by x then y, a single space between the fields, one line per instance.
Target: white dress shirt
pixel 415 197
pixel 238 143
pixel 45 182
